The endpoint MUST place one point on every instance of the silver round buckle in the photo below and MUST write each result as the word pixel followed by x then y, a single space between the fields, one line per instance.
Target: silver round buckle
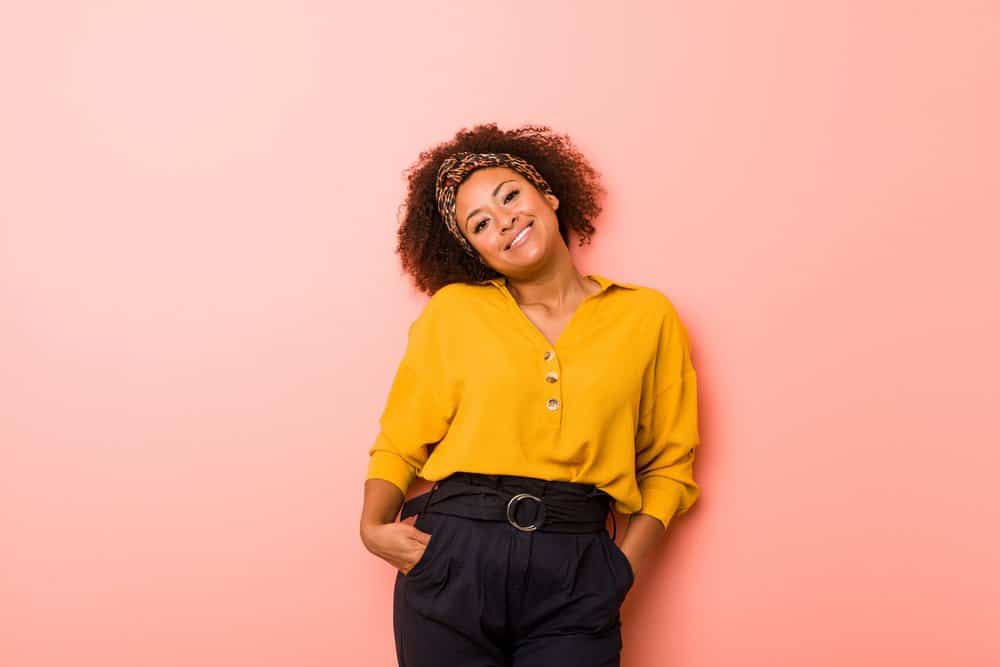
pixel 510 506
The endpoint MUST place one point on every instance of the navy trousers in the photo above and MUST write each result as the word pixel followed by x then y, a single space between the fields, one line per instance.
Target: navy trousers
pixel 485 594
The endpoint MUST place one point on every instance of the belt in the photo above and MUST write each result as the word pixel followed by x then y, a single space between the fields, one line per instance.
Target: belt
pixel 559 507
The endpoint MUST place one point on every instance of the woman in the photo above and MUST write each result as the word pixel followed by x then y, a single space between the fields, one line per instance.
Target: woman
pixel 538 400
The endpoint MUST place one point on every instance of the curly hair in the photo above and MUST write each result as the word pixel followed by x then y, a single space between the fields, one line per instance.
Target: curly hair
pixel 429 252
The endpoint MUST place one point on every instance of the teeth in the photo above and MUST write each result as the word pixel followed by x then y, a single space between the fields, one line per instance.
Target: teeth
pixel 520 234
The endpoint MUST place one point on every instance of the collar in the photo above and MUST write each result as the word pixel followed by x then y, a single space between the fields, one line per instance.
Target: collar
pixel 605 283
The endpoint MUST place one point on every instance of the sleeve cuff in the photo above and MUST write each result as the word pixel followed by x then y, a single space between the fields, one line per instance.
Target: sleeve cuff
pixel 661 498
pixel 388 466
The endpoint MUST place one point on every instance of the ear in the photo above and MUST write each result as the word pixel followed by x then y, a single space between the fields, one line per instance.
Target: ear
pixel 553 201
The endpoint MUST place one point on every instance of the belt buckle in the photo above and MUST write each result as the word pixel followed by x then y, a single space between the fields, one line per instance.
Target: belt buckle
pixel 510 506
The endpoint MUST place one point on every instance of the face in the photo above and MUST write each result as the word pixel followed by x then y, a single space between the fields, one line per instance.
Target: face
pixel 496 204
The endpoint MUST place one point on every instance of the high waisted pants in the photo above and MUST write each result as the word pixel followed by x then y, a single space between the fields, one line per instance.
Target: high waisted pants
pixel 485 594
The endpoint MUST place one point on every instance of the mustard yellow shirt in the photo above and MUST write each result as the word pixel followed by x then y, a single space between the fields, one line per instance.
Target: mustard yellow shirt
pixel 613 403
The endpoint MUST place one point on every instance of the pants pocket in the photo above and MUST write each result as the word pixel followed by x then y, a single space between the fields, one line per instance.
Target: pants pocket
pixel 627 575
pixel 428 524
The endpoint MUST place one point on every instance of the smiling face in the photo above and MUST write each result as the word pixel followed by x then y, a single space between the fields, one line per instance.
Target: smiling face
pixel 506 220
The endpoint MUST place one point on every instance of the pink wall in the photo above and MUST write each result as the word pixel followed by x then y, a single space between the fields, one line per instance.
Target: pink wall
pixel 201 311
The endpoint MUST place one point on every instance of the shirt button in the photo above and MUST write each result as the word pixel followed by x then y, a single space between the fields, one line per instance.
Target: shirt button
pixel 551 376
pixel 548 355
pixel 552 404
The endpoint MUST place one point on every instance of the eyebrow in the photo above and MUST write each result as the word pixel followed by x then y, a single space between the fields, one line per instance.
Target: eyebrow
pixel 477 210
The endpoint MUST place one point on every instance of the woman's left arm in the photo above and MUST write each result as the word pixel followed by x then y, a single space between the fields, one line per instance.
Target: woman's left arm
pixel 666 443
pixel 641 536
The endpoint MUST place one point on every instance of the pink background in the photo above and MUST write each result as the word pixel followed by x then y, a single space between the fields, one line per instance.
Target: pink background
pixel 201 312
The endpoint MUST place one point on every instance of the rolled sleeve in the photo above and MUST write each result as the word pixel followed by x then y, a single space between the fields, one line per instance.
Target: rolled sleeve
pixel 668 433
pixel 385 463
pixel 418 410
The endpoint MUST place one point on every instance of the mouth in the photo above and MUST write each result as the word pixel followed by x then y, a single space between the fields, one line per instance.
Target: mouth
pixel 520 236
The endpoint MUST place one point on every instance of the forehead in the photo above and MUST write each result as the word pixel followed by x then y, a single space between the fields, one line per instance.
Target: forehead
pixel 478 187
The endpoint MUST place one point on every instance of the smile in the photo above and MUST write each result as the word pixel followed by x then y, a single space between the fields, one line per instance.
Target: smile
pixel 519 239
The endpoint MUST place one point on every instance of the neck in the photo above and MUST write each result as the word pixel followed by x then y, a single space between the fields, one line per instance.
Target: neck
pixel 554 289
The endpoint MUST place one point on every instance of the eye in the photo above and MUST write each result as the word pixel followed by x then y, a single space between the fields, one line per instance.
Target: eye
pixel 506 200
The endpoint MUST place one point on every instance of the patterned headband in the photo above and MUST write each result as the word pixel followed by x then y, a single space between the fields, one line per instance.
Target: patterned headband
pixel 457 166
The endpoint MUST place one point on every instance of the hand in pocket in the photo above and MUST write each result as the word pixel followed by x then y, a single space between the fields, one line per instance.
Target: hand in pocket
pixel 401 544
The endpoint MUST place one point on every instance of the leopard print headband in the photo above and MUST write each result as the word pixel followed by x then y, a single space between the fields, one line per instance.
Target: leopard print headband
pixel 454 170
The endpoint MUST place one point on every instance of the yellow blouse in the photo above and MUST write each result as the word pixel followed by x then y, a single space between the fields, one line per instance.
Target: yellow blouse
pixel 613 403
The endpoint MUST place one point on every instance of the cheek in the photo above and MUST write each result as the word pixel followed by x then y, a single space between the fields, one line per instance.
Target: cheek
pixel 480 241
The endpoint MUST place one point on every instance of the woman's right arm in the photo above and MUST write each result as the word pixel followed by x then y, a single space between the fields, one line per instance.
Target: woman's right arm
pixel 421 404
pixel 399 543
pixel 383 500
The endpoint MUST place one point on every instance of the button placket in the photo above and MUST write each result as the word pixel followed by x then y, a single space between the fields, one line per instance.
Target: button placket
pixel 551 377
